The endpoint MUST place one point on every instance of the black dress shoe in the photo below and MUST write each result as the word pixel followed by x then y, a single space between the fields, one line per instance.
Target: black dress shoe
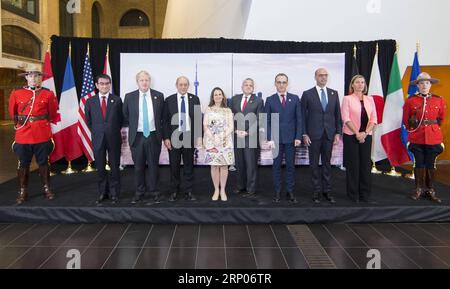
pixel 329 198
pixel 114 200
pixel 316 198
pixel 368 201
pixel 157 198
pixel 291 198
pixel 173 197
pixel 354 199
pixel 136 200
pixel 189 197
pixel 101 198
pixel 276 197
pixel 249 195
pixel 240 191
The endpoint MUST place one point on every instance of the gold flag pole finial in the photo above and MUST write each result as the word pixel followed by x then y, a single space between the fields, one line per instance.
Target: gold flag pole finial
pixel 397 47
pixel 354 50
pixel 107 49
pixel 377 48
pixel 70 49
pixel 88 49
pixel 418 46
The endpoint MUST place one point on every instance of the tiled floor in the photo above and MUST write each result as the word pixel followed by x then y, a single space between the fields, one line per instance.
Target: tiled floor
pixel 220 246
pixel 216 246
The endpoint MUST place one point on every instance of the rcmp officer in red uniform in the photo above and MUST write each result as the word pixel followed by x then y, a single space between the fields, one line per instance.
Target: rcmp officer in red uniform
pixel 423 114
pixel 32 108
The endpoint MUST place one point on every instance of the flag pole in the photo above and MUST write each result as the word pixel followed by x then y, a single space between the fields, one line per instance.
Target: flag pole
pixel 393 172
pixel 89 168
pixel 49 49
pixel 411 174
pixel 374 167
pixel 69 169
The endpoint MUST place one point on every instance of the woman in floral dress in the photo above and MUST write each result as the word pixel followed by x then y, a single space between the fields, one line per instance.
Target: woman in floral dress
pixel 218 141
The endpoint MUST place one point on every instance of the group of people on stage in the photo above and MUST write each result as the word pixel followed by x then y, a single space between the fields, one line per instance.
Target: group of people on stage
pixel 230 134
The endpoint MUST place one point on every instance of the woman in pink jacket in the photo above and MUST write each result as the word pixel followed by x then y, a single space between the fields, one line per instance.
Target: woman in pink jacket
pixel 359 117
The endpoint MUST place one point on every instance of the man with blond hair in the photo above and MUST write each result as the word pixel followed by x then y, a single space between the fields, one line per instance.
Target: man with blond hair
pixel 142 112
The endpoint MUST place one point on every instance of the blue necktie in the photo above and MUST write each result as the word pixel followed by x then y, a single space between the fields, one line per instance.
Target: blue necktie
pixel 183 115
pixel 146 128
pixel 323 99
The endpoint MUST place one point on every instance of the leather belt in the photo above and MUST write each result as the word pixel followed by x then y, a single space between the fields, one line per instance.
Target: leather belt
pixel 430 121
pixel 21 118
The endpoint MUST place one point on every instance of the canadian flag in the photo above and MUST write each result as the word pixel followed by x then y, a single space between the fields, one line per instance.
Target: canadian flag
pixel 65 130
pixel 49 83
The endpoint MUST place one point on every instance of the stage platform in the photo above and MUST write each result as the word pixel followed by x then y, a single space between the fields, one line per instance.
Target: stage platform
pixel 76 195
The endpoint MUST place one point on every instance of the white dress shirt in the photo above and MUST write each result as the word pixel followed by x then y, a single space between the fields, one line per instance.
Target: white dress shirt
pixel 101 99
pixel 285 97
pixel 151 116
pixel 320 92
pixel 243 99
pixel 186 104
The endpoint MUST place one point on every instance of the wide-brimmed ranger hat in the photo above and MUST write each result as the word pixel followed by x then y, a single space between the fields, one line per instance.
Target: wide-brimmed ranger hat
pixel 30 72
pixel 424 77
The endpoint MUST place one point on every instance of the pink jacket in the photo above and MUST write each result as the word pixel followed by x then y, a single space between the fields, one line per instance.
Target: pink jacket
pixel 351 111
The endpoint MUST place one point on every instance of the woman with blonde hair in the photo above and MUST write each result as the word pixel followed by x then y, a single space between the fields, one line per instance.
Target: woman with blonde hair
pixel 359 117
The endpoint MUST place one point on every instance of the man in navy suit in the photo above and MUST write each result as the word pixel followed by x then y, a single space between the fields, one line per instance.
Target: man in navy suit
pixel 323 128
pixel 103 113
pixel 181 111
pixel 286 137
pixel 142 111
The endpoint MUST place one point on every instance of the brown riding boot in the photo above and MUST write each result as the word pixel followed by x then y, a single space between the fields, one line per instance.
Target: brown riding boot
pixel 44 171
pixel 23 175
pixel 419 176
pixel 430 192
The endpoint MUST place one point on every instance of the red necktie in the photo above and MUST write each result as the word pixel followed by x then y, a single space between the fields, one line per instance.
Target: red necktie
pixel 104 106
pixel 283 101
pixel 245 104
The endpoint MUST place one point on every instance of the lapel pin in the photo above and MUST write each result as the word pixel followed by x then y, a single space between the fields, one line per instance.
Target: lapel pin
pixel 290 99
pixel 112 100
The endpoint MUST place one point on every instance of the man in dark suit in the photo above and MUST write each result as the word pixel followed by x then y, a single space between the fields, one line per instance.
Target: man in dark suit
pixel 103 114
pixel 284 132
pixel 322 128
pixel 142 111
pixel 246 108
pixel 181 114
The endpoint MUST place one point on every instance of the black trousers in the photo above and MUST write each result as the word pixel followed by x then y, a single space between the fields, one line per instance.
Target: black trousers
pixel 358 167
pixel 146 151
pixel 108 183
pixel 425 155
pixel 321 149
pixel 175 169
pixel 247 168
pixel 25 152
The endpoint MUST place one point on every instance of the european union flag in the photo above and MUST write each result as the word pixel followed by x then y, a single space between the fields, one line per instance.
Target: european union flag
pixel 412 89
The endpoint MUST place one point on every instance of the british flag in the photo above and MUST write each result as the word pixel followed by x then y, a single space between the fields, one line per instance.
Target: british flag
pixel 87 91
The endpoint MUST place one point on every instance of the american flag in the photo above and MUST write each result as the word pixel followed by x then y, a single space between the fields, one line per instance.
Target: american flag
pixel 87 91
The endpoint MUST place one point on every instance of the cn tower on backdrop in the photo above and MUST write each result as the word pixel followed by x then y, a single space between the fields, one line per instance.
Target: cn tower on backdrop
pixel 196 83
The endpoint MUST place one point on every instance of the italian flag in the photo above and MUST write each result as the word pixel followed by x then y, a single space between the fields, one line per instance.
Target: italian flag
pixel 392 119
